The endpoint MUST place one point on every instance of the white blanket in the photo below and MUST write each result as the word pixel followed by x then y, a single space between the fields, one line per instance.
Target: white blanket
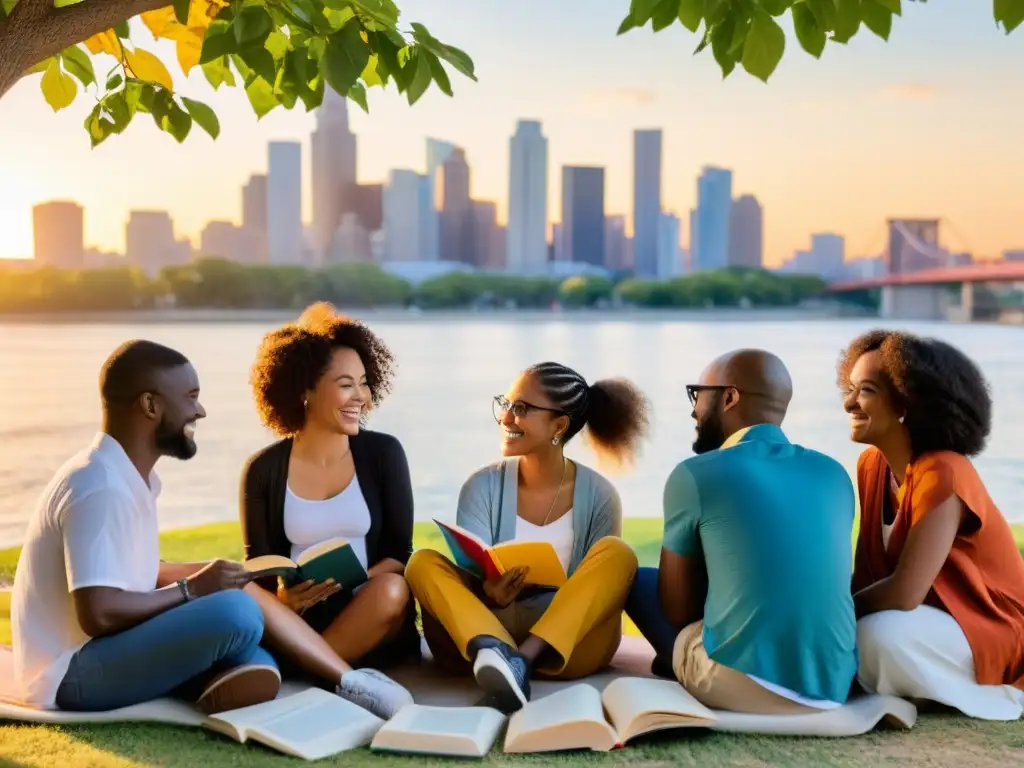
pixel 429 686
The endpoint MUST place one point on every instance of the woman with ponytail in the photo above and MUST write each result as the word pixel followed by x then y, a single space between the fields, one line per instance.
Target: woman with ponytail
pixel 504 629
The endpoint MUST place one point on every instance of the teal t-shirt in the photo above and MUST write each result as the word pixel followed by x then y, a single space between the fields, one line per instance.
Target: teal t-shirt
pixel 773 522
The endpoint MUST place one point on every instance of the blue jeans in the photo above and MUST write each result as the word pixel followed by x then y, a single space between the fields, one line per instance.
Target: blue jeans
pixel 644 608
pixel 175 652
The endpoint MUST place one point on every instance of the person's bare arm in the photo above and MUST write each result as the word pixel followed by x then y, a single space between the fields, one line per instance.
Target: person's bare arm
pixel 172 573
pixel 928 544
pixel 682 587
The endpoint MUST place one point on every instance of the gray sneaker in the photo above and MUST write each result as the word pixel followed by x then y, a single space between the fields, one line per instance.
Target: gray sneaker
pixel 373 691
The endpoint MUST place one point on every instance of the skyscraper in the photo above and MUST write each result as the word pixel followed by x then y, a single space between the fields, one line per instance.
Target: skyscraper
pixel 437 153
pixel 150 243
pixel 527 233
pixel 709 241
pixel 333 150
pixel 583 214
pixel 616 244
pixel 58 229
pixel 456 209
pixel 669 261
pixel 646 201
pixel 828 253
pixel 404 200
pixel 284 203
pixel 254 218
pixel 746 233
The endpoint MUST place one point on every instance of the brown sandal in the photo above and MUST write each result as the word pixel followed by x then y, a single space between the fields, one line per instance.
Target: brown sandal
pixel 239 687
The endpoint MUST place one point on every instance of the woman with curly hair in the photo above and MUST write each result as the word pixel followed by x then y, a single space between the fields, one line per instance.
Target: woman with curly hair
pixel 938 582
pixel 505 627
pixel 314 382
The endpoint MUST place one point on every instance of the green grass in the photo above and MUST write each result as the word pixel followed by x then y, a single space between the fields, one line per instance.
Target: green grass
pixel 936 740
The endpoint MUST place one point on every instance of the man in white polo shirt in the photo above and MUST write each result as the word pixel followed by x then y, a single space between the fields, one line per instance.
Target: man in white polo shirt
pixel 99 621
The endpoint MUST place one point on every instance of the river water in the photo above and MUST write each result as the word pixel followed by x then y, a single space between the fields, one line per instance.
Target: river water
pixel 449 369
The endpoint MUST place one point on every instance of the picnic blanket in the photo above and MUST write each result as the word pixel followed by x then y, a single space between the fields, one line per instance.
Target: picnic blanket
pixel 430 686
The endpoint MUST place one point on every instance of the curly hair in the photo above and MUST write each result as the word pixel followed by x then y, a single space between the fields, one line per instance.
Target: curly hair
pixel 291 360
pixel 945 396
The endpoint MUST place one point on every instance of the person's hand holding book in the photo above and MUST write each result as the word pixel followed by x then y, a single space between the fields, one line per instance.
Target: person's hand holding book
pixel 504 589
pixel 301 597
pixel 217 576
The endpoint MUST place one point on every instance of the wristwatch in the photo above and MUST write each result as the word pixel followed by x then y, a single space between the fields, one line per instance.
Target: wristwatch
pixel 183 586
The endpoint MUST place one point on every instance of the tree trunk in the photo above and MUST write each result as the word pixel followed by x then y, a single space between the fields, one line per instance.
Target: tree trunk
pixel 35 30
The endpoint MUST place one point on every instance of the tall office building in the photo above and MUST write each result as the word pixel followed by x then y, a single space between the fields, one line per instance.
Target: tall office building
pixel 150 243
pixel 669 256
pixel 583 214
pixel 333 154
pixel 527 232
pixel 746 233
pixel 284 203
pixel 828 255
pixel 616 243
pixel 254 218
pixel 58 229
pixel 487 244
pixel 437 153
pixel 456 209
pixel 646 201
pixel 709 240
pixel 404 201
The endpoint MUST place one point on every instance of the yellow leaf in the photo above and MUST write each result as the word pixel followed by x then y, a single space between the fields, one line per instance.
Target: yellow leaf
pixel 59 88
pixel 202 12
pixel 148 67
pixel 190 47
pixel 370 75
pixel 105 42
pixel 162 23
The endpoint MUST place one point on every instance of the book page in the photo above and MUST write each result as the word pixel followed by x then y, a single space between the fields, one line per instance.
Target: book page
pixel 312 724
pixel 469 551
pixel 318 549
pixel 545 569
pixel 453 731
pixel 572 718
pixel 638 705
pixel 267 565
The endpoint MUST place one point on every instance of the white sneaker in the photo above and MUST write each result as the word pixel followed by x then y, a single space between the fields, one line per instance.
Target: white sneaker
pixel 373 691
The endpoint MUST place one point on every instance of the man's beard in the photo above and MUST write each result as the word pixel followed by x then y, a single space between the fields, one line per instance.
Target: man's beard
pixel 172 441
pixel 710 433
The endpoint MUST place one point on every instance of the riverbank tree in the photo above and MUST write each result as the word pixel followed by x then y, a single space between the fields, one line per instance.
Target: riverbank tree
pixel 219 284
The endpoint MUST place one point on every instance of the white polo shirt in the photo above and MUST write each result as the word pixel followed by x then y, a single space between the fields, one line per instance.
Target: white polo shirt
pixel 94 526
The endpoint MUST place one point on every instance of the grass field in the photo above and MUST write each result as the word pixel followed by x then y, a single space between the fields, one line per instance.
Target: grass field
pixel 936 740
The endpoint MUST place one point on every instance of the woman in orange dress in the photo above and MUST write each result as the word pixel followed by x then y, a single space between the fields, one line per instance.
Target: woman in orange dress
pixel 938 581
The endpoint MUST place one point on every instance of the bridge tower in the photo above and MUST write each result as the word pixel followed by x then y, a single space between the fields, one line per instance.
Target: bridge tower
pixel 913 246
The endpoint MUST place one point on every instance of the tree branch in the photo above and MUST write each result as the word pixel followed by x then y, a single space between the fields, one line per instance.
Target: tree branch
pixel 35 30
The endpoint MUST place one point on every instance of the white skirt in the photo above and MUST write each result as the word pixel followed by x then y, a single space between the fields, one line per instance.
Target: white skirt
pixel 923 654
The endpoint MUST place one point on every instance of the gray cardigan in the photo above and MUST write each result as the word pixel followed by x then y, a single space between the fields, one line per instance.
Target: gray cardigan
pixel 489 499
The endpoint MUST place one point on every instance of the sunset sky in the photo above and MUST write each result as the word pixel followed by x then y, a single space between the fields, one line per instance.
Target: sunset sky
pixel 924 125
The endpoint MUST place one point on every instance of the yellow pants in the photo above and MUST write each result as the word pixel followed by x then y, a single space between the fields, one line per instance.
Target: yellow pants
pixel 582 621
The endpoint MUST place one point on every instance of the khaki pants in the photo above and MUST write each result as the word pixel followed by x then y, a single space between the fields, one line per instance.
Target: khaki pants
pixel 720 687
pixel 582 621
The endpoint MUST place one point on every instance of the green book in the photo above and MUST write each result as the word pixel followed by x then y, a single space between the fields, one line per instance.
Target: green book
pixel 331 559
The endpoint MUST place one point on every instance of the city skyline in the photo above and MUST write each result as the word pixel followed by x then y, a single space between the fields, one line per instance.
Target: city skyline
pixel 870 131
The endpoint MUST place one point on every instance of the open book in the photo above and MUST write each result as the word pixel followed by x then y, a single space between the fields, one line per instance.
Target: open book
pixel 331 559
pixel 473 555
pixel 311 725
pixel 451 731
pixel 581 717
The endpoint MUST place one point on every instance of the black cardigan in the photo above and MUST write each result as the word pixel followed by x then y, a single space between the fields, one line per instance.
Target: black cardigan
pixel 383 473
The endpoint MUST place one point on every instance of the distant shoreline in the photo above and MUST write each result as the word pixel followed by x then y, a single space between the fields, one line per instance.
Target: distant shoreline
pixel 262 316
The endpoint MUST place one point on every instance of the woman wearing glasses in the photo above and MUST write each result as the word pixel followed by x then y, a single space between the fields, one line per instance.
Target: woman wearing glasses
pixel 506 627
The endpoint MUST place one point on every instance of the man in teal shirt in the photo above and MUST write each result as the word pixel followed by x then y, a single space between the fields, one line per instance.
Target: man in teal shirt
pixel 752 601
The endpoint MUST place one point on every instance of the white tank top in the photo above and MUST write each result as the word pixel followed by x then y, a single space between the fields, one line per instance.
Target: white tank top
pixel 558 534
pixel 346 516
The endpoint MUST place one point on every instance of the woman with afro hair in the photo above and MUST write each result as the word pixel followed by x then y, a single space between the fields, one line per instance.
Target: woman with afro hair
pixel 938 582
pixel 314 382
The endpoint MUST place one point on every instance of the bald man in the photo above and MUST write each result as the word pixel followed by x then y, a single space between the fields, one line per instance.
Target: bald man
pixel 750 608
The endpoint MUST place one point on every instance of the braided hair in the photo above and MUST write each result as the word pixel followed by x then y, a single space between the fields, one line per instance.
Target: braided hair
pixel 614 411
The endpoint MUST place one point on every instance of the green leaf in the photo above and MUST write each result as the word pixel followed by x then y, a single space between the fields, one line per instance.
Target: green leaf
pixel 117 108
pixel 77 62
pixel 181 11
pixel 421 78
pixel 665 12
pixel 642 10
pixel 358 94
pixel 721 41
pixel 438 73
pixel 893 6
pixel 121 30
pixel 876 17
pixel 253 24
pixel 219 72
pixel 459 60
pixel 808 32
pixel 371 74
pixel 1009 13
pixel 217 45
pixel 114 82
pixel 178 123
pixel 388 53
pixel 383 11
pixel 824 12
pixel 205 117
pixel 847 20
pixel 261 96
pixel 40 67
pixel 626 25
pixel 766 43
pixel 346 57
pixel 691 13
pixel 260 61
pixel 59 88
pixel 776 7
pixel 99 127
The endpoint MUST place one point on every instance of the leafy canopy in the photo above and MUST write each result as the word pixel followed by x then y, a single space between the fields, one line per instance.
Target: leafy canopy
pixel 283 52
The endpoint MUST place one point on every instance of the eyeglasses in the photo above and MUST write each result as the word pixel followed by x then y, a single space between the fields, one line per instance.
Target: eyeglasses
pixel 692 390
pixel 520 409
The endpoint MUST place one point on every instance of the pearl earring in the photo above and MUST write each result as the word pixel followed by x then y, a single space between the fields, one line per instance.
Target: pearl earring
pixel 554 440
pixel 901 419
